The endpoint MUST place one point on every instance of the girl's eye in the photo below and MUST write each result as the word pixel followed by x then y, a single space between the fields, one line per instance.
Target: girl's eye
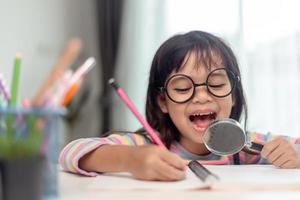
pixel 182 89
pixel 217 85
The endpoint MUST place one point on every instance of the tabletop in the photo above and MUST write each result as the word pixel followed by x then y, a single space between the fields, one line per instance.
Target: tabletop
pixel 236 182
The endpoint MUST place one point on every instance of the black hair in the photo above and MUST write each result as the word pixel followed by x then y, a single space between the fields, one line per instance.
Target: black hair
pixel 170 57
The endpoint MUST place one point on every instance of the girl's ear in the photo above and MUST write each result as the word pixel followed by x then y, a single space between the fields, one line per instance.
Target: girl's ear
pixel 161 100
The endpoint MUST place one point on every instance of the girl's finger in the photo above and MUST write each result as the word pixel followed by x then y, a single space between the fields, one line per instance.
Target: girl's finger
pixel 186 162
pixel 288 165
pixel 269 147
pixel 174 160
pixel 283 158
pixel 168 172
pixel 276 154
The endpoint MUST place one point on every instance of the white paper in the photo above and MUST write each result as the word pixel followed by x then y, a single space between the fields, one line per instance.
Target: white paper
pixel 261 176
pixel 124 181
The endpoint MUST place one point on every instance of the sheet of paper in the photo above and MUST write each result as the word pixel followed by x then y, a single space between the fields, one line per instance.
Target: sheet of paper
pixel 260 174
pixel 125 181
pixel 231 176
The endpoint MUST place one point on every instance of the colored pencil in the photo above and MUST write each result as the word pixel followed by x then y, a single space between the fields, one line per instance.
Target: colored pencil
pixel 3 89
pixel 71 92
pixel 134 110
pixel 15 80
pixel 68 56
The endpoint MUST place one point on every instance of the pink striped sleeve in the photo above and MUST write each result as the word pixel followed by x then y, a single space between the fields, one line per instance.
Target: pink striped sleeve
pixel 75 150
pixel 255 136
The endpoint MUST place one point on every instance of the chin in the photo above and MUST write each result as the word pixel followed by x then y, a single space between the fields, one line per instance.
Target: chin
pixel 197 139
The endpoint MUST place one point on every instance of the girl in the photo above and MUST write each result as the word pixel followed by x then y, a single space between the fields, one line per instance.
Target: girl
pixel 194 80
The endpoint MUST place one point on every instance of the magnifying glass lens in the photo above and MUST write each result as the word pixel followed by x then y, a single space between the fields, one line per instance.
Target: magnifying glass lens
pixel 224 137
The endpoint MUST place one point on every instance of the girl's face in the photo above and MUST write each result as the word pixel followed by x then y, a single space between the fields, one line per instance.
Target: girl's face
pixel 194 116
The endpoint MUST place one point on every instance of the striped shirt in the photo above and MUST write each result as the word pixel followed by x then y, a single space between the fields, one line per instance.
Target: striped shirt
pixel 71 153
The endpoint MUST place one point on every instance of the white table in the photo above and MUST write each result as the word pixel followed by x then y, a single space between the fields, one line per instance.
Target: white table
pixel 237 182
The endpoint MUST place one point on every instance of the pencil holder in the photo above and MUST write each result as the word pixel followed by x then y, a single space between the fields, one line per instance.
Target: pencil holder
pixel 28 152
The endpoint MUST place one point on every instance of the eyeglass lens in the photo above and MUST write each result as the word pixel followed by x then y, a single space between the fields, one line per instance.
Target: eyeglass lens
pixel 219 83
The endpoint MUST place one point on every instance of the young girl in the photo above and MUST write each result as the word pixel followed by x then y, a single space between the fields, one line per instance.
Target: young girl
pixel 194 80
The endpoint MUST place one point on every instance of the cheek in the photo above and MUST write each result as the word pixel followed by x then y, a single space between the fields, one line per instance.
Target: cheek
pixel 176 111
pixel 225 107
pixel 176 114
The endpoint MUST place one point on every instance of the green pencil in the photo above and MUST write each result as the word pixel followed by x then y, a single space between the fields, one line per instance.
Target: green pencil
pixel 15 80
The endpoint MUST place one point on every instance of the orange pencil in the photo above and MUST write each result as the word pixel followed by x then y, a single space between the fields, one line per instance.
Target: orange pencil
pixel 71 92
pixel 77 78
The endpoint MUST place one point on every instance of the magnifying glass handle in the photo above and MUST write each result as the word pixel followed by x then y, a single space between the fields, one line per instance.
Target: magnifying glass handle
pixel 254 148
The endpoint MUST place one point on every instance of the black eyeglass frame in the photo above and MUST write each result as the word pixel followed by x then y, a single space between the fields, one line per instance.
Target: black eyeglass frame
pixel 235 80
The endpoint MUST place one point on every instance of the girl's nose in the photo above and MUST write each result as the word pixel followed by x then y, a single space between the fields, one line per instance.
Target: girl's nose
pixel 201 95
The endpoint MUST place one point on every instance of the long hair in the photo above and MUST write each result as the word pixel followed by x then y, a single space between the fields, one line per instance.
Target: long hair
pixel 169 58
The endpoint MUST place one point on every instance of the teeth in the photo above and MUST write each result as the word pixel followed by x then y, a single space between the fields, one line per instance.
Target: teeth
pixel 208 115
pixel 201 114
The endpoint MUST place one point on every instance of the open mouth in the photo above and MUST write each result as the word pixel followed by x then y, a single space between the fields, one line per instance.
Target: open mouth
pixel 202 120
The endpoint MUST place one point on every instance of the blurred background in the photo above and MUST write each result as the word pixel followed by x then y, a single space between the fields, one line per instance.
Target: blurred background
pixel 123 35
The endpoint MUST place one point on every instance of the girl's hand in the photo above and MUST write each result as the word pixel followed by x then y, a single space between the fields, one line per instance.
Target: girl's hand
pixel 155 163
pixel 281 153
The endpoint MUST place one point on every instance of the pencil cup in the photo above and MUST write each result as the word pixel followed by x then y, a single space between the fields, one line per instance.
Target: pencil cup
pixel 28 152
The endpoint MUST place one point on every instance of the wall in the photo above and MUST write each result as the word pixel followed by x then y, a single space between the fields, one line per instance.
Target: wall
pixel 40 29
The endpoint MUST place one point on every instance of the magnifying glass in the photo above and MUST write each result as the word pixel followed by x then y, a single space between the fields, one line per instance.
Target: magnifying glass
pixel 227 137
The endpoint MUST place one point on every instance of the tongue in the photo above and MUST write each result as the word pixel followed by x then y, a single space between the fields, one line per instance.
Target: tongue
pixel 201 123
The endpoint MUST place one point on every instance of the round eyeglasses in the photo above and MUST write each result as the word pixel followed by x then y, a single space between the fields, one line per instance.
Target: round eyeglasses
pixel 181 88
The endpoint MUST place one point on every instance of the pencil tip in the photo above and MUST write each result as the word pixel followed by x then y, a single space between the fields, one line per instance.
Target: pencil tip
pixel 91 61
pixel 18 55
pixel 112 82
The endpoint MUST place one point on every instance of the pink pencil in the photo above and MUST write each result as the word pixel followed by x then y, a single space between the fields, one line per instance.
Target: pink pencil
pixel 134 110
pixel 3 89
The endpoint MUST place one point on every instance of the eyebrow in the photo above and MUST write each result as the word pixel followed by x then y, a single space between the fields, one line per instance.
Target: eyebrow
pixel 219 74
